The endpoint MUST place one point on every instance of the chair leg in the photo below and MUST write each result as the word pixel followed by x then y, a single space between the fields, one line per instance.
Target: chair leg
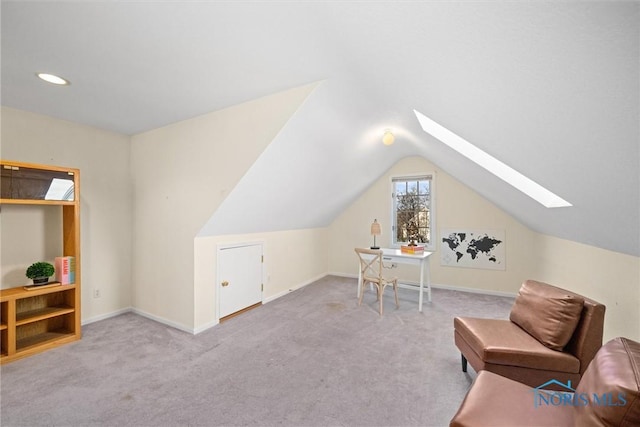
pixel 464 362
pixel 362 285
pixel 395 290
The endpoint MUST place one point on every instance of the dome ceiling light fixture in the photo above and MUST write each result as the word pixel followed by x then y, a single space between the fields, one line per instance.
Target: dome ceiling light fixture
pixel 388 137
pixel 53 79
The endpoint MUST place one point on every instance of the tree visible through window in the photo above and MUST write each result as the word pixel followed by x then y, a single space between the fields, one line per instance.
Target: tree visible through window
pixel 412 209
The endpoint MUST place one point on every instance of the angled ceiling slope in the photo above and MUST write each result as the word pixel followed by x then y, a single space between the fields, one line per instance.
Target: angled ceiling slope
pixel 308 175
pixel 551 89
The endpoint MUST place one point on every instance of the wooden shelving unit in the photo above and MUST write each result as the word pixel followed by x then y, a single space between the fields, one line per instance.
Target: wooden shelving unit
pixel 32 321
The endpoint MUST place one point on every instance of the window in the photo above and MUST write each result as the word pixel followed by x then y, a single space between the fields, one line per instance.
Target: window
pixel 413 210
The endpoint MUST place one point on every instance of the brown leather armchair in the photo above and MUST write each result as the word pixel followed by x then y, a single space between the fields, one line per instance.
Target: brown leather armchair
pixel 551 333
pixel 608 395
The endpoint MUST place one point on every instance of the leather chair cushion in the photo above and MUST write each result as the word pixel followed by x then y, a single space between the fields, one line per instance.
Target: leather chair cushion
pixel 547 313
pixel 611 385
pixel 496 401
pixel 502 342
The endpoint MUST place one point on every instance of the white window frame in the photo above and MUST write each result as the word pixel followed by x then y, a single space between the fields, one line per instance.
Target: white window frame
pixel 432 207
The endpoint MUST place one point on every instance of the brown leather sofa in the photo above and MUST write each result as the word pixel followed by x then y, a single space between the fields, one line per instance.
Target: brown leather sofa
pixel 551 333
pixel 608 395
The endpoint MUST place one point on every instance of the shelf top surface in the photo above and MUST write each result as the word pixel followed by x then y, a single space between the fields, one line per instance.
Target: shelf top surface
pixel 37 202
pixel 21 292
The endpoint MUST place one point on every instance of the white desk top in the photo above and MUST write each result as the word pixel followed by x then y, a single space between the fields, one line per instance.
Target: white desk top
pixel 399 253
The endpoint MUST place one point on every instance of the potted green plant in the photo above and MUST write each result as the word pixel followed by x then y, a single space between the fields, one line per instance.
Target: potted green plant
pixel 40 272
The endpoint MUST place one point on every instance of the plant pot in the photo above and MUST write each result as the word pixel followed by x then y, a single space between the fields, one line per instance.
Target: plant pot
pixel 40 280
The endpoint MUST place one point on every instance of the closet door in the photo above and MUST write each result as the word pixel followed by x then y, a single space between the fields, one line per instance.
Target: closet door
pixel 239 278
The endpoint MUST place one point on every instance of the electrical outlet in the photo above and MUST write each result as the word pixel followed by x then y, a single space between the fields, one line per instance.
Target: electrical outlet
pixel 96 293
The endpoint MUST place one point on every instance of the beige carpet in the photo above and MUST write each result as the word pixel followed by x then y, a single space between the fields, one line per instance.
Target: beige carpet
pixel 311 358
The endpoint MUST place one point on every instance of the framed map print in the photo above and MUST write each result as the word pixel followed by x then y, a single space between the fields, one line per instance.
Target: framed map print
pixel 472 248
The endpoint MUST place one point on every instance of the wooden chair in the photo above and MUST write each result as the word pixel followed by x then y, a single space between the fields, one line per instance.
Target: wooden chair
pixel 371 272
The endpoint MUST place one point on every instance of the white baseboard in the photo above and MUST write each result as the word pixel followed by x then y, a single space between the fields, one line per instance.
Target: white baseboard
pixel 209 325
pixel 293 288
pixel 476 291
pixel 206 326
pixel 264 301
pixel 201 328
pixel 149 316
pixel 164 321
pixel 106 316
pixel 441 286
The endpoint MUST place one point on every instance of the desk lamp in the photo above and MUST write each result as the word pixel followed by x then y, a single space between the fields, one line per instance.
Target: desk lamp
pixel 375 231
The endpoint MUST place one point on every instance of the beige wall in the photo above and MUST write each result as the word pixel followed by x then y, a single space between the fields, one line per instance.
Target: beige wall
pixel 172 201
pixel 456 207
pixel 41 226
pixel 30 235
pixel 609 277
pixel 292 259
pixel 181 174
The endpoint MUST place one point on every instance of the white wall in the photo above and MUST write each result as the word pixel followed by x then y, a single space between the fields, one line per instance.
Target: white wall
pixel 30 235
pixel 292 259
pixel 181 174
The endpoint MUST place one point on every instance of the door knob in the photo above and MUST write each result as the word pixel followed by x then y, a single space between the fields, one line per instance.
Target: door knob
pixel 225 283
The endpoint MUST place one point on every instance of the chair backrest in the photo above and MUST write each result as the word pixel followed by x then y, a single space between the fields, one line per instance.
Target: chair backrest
pixel 587 338
pixel 370 263
pixel 587 335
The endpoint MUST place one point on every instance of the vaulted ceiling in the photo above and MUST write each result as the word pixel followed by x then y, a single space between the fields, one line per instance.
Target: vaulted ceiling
pixel 550 88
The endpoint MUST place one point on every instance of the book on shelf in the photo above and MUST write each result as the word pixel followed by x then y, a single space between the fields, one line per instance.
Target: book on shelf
pixel 65 269
pixel 412 249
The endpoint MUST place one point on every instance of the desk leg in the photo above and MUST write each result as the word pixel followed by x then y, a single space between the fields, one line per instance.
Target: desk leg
pixel 359 281
pixel 428 274
pixel 421 286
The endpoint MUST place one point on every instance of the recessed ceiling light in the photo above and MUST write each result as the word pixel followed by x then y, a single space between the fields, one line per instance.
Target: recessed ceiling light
pixel 53 79
pixel 490 163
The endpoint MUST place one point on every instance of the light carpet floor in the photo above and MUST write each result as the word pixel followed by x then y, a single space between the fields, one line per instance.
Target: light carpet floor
pixel 310 358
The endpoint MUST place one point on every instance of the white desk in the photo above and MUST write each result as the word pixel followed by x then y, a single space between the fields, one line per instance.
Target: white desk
pixel 390 256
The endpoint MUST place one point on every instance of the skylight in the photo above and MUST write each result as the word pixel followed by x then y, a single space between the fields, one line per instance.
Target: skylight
pixel 490 163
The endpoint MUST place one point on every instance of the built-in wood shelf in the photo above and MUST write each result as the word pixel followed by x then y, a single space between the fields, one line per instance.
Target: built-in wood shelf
pixel 35 320
pixel 49 339
pixel 42 314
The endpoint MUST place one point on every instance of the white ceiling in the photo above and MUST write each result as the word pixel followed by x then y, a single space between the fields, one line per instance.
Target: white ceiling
pixel 549 88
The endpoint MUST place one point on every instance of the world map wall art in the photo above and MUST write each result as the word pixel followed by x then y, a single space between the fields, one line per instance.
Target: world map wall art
pixel 472 248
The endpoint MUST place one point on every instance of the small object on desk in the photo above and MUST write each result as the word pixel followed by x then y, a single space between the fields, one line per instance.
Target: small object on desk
pixel 42 286
pixel 408 249
pixel 375 231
